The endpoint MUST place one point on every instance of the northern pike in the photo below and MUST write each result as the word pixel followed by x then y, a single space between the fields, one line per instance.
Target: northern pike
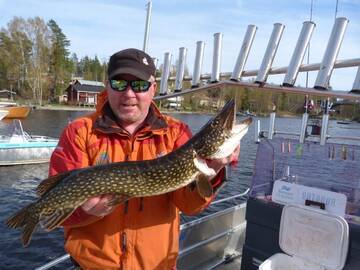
pixel 60 195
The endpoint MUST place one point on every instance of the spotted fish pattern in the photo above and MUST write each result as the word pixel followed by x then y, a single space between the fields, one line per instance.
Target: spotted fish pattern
pixel 60 195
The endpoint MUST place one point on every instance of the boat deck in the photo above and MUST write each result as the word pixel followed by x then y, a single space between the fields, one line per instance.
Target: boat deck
pixel 234 264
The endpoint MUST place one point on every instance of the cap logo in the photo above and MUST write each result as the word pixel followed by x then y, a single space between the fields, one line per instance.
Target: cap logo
pixel 145 61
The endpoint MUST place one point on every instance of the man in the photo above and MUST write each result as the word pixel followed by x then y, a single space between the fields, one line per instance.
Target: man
pixel 143 232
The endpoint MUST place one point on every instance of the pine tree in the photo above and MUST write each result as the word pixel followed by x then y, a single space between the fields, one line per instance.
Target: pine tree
pixel 61 66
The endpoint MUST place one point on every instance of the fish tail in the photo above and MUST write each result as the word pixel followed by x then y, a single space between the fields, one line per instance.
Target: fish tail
pixel 18 219
pixel 29 229
pixel 27 219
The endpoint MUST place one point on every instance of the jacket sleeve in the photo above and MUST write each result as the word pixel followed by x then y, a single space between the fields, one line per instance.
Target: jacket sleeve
pixel 187 199
pixel 71 154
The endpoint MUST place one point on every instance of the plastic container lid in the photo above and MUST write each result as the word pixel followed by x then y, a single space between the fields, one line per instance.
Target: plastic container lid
pixel 314 235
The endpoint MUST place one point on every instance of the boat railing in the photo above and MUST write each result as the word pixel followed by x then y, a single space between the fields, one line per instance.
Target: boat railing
pixel 222 232
pixel 18 134
pixel 303 135
pixel 54 262
pixel 40 138
pixel 263 133
pixel 231 197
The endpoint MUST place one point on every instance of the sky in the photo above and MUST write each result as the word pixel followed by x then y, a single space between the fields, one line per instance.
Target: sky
pixel 103 27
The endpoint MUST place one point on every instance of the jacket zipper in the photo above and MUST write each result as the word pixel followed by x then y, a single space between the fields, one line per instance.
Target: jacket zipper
pixel 127 158
pixel 123 242
pixel 123 236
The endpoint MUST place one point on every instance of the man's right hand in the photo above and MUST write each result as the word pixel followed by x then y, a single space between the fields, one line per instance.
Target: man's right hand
pixel 99 206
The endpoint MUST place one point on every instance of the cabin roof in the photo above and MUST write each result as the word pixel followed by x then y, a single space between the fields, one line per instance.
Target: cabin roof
pixel 86 86
pixel 86 82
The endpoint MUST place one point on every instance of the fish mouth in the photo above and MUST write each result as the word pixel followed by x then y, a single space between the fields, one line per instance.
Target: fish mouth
pixel 221 135
pixel 247 121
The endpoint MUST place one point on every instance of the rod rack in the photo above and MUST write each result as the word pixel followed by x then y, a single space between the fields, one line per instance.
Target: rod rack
pixel 275 88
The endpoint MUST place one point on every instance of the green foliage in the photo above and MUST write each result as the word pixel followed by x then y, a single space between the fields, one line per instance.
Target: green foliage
pixel 35 60
pixel 61 67
pixel 91 69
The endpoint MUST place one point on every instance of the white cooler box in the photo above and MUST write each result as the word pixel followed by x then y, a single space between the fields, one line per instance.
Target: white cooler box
pixel 313 240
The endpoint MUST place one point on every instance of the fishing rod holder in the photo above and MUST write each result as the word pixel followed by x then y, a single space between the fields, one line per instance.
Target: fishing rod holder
pixel 330 55
pixel 165 74
pixel 324 69
pixel 270 53
pixel 303 129
pixel 215 74
pixel 200 46
pixel 244 52
pixel 356 85
pixel 180 69
pixel 299 53
pixel 271 125
pixel 271 132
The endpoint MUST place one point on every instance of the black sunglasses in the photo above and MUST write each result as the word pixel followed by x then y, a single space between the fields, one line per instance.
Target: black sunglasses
pixel 137 86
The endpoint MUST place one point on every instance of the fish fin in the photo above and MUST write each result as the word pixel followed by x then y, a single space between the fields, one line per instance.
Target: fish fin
pixel 19 218
pixel 202 166
pixel 27 219
pixel 53 219
pixel 203 186
pixel 28 230
pixel 118 198
pixel 49 183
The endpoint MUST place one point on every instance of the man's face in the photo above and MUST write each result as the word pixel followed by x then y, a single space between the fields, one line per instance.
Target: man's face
pixel 130 108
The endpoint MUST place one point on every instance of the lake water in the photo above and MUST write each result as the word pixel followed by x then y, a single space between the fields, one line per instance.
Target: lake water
pixel 17 183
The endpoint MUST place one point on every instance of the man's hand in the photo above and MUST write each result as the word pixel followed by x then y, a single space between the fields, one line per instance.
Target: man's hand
pixel 99 206
pixel 218 164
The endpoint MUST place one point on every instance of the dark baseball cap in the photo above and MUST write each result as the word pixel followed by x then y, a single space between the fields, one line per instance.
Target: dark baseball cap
pixel 134 62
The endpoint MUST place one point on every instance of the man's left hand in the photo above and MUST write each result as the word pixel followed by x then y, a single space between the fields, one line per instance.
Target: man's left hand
pixel 218 164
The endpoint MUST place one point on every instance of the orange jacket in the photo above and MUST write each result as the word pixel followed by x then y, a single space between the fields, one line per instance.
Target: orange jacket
pixel 142 233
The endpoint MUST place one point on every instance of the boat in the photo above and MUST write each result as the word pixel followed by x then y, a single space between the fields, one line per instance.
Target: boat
pixel 246 113
pixel 17 112
pixel 344 122
pixel 246 235
pixel 14 110
pixel 18 147
pixel 249 234
pixel 348 123
pixel 3 113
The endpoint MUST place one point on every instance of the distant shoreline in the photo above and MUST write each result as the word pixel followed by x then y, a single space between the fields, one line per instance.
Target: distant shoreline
pixel 82 108
pixel 64 108
pixel 166 111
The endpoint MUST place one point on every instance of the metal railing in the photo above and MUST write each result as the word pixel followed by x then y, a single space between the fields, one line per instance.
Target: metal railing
pixel 324 68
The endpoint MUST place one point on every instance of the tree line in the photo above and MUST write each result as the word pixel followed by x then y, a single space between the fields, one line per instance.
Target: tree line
pixel 35 61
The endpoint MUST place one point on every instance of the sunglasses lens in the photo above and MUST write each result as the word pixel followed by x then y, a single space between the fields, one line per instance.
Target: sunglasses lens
pixel 136 86
pixel 119 85
pixel 140 86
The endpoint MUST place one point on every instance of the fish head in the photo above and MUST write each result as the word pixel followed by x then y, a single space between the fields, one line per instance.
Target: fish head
pixel 221 135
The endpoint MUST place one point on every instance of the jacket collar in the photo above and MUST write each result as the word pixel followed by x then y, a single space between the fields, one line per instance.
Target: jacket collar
pixel 155 122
